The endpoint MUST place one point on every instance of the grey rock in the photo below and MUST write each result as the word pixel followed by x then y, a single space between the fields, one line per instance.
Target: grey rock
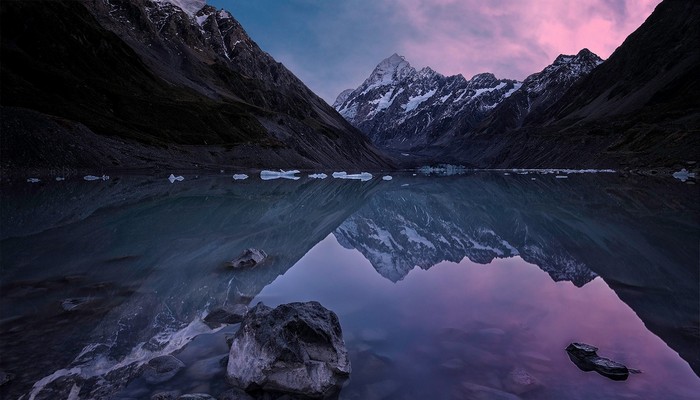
pixel 295 348
pixel 249 258
pixel 161 369
pixel 586 359
pixel 227 314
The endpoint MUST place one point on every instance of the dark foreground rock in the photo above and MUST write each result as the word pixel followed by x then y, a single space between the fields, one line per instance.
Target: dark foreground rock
pixel 249 258
pixel 296 348
pixel 586 359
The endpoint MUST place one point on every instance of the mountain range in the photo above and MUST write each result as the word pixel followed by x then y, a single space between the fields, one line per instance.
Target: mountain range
pixel 156 83
pixel 639 108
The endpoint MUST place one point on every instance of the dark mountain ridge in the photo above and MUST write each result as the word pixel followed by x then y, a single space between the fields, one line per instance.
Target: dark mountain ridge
pixel 640 108
pixel 149 75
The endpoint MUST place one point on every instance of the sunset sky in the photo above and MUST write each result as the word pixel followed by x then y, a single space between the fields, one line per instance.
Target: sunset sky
pixel 335 45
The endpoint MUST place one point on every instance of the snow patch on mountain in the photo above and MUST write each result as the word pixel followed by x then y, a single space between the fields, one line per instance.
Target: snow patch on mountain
pixel 190 7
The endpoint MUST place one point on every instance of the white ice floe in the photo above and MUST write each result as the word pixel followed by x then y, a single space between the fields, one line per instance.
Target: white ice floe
pixel 683 175
pixel 363 176
pixel 266 175
pixel 172 178
pixel 405 184
pixel 318 176
pixel 387 177
pixel 561 176
pixel 33 180
pixel 60 178
pixel 96 178
pixel 239 177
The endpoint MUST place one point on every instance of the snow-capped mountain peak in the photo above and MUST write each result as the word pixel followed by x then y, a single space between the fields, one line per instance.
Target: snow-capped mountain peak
pixel 390 70
pixel 399 107
pixel 188 6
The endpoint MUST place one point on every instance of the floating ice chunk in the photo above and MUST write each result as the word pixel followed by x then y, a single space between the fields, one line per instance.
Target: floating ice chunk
pixel 683 175
pixel 364 176
pixel 506 173
pixel 95 178
pixel 387 177
pixel 404 154
pixel 318 176
pixel 533 179
pixel 266 175
pixel 221 171
pixel 60 178
pixel 405 184
pixel 33 180
pixel 561 176
pixel 239 177
pixel 172 178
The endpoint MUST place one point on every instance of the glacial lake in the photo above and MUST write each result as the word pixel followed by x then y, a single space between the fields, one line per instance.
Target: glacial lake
pixel 445 287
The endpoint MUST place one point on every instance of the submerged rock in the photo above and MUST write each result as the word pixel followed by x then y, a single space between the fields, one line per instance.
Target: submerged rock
pixel 235 394
pixel 166 395
pixel 161 369
pixel 295 348
pixel 5 377
pixel 227 314
pixel 196 396
pixel 520 381
pixel 249 258
pixel 586 359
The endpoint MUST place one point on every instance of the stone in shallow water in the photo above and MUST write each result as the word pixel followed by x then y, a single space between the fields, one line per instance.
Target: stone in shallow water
pixel 227 314
pixel 161 369
pixel 586 359
pixel 474 391
pixel 520 381
pixel 295 348
pixel 166 395
pixel 235 394
pixel 5 377
pixel 196 396
pixel 249 258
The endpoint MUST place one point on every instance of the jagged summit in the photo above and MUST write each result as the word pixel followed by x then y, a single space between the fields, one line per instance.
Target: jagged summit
pixel 391 69
pixel 400 107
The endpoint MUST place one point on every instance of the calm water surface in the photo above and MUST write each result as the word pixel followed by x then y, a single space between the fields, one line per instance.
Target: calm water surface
pixel 444 286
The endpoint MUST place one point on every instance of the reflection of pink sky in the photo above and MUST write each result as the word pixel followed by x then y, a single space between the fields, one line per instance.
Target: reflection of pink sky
pixel 538 315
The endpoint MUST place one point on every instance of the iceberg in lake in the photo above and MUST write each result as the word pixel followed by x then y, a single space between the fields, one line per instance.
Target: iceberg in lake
pixel 387 177
pixel 95 178
pixel 172 178
pixel 363 176
pixel 683 175
pixel 266 175
pixel 318 176
pixel 239 177
pixel 33 180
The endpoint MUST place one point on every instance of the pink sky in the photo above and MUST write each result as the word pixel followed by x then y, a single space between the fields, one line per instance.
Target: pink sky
pixel 512 38
pixel 335 45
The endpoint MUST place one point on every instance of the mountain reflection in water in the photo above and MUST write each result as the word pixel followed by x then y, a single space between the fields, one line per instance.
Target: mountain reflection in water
pixel 99 277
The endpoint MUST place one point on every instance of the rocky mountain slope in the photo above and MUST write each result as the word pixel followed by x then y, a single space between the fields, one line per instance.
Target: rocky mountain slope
pixel 640 108
pixel 187 87
pixel 401 108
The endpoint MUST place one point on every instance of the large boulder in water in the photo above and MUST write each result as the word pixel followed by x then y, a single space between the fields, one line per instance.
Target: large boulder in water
pixel 295 348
